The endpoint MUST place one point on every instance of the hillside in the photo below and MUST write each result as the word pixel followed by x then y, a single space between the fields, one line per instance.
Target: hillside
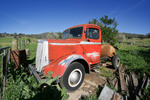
pixel 45 35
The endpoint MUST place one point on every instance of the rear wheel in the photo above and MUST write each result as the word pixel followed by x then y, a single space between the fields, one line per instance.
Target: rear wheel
pixel 73 77
pixel 116 61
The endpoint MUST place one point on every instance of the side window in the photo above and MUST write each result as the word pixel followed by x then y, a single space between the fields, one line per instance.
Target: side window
pixel 76 32
pixel 92 33
pixel 65 34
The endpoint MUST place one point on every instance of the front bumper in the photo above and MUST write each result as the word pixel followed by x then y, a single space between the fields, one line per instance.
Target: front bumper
pixel 35 74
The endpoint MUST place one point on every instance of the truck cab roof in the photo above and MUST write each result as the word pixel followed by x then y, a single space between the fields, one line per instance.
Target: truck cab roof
pixel 84 25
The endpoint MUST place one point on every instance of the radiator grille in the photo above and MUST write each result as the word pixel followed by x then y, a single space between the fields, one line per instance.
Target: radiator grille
pixel 42 54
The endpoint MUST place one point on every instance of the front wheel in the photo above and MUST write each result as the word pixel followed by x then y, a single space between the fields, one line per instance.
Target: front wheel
pixel 73 77
pixel 116 61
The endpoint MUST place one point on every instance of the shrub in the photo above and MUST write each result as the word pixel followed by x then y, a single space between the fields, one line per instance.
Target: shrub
pixel 22 85
pixel 29 40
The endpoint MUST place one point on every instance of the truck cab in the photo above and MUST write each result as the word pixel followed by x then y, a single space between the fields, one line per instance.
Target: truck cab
pixel 71 57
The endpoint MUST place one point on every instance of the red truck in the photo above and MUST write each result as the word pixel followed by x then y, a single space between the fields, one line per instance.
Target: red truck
pixel 71 57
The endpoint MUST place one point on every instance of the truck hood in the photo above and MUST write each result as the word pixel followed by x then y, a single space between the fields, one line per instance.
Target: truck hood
pixel 60 48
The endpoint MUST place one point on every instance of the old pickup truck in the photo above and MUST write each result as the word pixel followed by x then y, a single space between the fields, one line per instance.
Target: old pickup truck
pixel 71 57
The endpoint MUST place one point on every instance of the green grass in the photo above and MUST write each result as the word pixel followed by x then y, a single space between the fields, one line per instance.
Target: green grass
pixel 0 69
pixel 140 42
pixel 6 39
pixel 4 42
pixel 6 45
pixel 134 57
pixel 32 46
pixel 104 72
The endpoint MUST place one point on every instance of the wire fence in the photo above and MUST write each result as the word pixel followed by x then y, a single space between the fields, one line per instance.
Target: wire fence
pixel 4 62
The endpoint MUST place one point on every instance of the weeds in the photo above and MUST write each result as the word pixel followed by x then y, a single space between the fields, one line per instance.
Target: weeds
pixel 22 85
pixel 92 97
pixel 146 94
pixel 104 72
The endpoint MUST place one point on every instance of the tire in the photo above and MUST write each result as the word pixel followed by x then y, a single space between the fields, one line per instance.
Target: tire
pixel 116 61
pixel 73 77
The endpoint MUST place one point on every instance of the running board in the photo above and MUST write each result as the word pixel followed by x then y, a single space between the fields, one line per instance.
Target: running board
pixel 103 58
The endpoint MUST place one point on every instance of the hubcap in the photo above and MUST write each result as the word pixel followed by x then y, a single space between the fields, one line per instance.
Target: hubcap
pixel 75 77
pixel 118 62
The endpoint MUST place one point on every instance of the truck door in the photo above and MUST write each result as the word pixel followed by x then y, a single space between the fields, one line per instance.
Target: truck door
pixel 92 46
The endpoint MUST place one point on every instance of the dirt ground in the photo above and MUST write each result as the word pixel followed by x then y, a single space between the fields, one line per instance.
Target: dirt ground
pixel 5 43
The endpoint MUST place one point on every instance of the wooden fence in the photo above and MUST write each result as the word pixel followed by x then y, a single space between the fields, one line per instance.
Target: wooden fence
pixel 4 61
pixel 129 83
pixel 19 44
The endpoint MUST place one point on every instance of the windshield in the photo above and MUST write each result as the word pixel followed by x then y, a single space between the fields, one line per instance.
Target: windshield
pixel 73 33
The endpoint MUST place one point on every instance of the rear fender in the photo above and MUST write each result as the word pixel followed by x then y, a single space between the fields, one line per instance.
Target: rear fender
pixel 59 67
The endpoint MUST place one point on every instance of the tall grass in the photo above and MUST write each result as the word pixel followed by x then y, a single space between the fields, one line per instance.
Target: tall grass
pixel 134 57
pixel 6 39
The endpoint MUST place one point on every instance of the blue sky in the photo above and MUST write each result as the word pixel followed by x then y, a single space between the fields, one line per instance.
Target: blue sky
pixel 38 16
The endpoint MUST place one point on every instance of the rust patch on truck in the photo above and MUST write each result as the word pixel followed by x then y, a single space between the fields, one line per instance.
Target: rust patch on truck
pixel 107 50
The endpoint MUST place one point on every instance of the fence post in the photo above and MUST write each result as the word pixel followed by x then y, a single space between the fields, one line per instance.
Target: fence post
pixel 17 44
pixel 5 54
pixel 14 44
pixel 1 78
pixel 25 42
pixel 20 44
pixel 4 74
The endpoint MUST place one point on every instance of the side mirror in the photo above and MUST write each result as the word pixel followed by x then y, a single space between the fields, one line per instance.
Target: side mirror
pixel 87 39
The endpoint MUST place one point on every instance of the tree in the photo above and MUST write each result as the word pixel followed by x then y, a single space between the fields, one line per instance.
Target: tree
pixel 60 35
pixel 142 36
pixel 21 35
pixel 15 35
pixel 148 35
pixel 108 29
pixel 29 40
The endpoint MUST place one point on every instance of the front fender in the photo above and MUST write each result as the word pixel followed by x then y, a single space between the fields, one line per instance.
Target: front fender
pixel 59 67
